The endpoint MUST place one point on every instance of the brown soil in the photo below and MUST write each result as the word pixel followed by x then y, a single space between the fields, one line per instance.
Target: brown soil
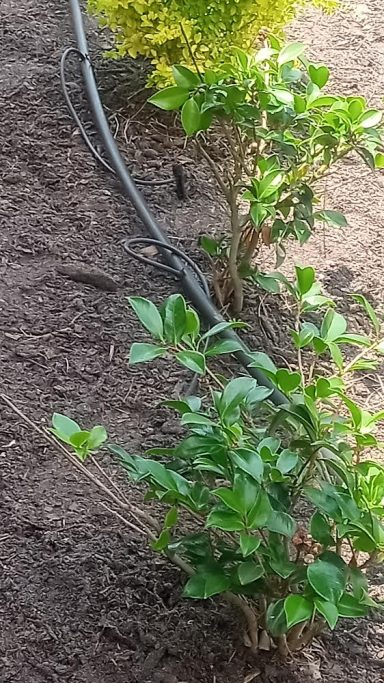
pixel 83 600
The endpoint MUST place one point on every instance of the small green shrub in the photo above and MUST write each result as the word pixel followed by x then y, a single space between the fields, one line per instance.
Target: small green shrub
pixel 281 135
pixel 160 29
pixel 273 508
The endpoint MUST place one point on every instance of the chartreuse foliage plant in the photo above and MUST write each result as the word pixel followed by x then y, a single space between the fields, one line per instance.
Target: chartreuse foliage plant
pixel 192 31
pixel 281 134
pixel 274 508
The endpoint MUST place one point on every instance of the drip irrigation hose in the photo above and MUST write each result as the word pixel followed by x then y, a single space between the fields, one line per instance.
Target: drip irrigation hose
pixel 139 181
pixel 192 289
pixel 129 243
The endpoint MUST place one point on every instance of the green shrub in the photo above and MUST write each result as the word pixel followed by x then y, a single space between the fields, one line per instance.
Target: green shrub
pixel 280 133
pixel 152 28
pixel 273 508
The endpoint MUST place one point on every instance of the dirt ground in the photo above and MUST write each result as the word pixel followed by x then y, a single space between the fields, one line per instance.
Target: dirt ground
pixel 81 599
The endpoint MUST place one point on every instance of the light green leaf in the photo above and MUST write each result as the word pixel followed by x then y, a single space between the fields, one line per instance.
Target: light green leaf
pixel 148 315
pixel 319 75
pixel 333 326
pixel 332 218
pixel 371 118
pixel 64 427
pixel 327 610
pixel 297 609
pixel 97 436
pixel 193 360
pixel 370 311
pixel 142 353
pixel 305 279
pixel 290 52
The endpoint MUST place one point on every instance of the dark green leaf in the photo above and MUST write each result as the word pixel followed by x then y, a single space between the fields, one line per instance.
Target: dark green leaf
pixel 162 542
pixel 349 606
pixel 281 523
pixel 249 544
pixel 288 381
pixel 206 584
pixel 225 520
pixel 175 318
pixel 327 580
pixel 320 530
pixel 276 619
pixel 248 572
pixel 223 347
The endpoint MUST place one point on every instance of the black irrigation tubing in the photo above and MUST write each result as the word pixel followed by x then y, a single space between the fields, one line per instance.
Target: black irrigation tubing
pixel 191 287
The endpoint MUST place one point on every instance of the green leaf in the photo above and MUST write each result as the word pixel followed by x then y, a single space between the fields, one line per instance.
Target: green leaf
pixel 191 117
pixel 327 610
pixel 290 52
pixel 287 461
pixel 148 315
pixel 288 381
pixel 320 530
pixel 64 427
pixel 327 580
pixel 206 584
pixel 333 326
pixel 370 119
pixel 185 78
pixel 162 542
pixel 304 337
pixel 225 520
pixel 220 327
pixel 305 279
pixel 258 214
pixel 297 609
pixel 174 312
pixel 193 360
pixel 349 606
pixel 171 518
pixel 248 461
pixel 259 513
pixel 142 353
pixel 248 572
pixel 78 439
pixel 284 96
pixel 370 311
pixel 276 619
pixel 196 419
pixel 379 160
pixel 248 544
pixel 281 523
pixel 332 218
pixel 97 436
pixel 223 347
pixel 319 75
pixel 170 98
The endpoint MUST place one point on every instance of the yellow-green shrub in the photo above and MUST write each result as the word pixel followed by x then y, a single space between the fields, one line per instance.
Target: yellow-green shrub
pixel 152 28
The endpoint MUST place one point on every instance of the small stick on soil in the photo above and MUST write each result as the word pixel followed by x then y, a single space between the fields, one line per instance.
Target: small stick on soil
pixel 95 278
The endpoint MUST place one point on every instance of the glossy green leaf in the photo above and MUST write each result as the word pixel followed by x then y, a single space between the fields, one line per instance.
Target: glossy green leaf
pixel 185 78
pixel 305 278
pixel 225 520
pixel 327 610
pixel 349 606
pixel 320 530
pixel 170 98
pixel 297 609
pixel 248 544
pixel 371 118
pixel 327 580
pixel 223 347
pixel 248 461
pixel 191 117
